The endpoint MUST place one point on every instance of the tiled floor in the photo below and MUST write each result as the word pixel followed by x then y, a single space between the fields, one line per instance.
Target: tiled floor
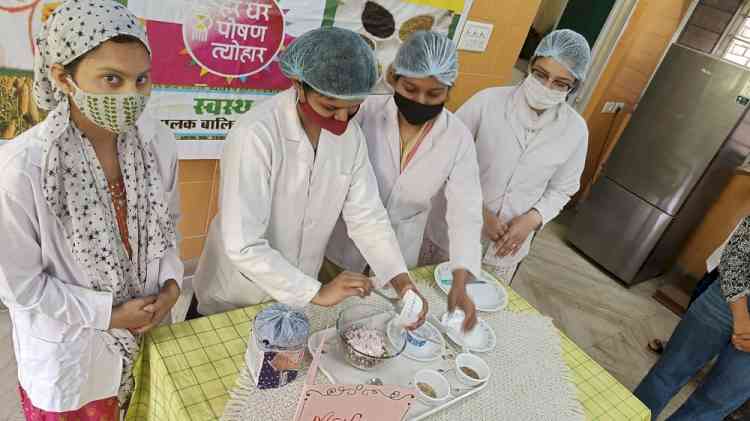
pixel 610 322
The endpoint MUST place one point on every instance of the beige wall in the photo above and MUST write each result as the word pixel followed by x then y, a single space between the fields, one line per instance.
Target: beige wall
pixel 199 191
pixel 512 20
pixel 726 212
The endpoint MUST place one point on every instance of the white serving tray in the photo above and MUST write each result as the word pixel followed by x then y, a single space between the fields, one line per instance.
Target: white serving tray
pixel 400 372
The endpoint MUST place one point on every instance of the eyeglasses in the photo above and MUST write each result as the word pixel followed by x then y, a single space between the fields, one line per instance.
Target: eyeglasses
pixel 557 85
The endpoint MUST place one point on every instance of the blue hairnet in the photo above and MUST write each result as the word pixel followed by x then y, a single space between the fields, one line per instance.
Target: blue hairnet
pixel 569 48
pixel 280 326
pixel 335 62
pixel 427 54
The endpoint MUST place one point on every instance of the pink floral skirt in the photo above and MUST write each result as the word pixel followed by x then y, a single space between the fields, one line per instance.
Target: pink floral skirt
pixel 101 410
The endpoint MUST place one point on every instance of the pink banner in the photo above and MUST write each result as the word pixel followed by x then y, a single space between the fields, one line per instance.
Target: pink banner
pixel 174 65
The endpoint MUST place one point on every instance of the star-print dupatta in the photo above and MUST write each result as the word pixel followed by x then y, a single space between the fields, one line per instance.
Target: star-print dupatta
pixel 75 186
pixel 77 192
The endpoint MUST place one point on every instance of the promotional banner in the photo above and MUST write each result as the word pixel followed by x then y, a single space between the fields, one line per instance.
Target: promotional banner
pixel 213 60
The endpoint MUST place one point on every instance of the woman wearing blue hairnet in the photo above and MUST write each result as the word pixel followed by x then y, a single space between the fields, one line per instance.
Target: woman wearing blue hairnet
pixel 531 147
pixel 290 168
pixel 420 151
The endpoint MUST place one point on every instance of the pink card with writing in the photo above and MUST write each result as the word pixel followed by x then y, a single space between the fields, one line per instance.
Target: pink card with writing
pixel 357 402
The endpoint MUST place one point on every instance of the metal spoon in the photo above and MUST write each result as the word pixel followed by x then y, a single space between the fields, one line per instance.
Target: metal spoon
pixel 395 302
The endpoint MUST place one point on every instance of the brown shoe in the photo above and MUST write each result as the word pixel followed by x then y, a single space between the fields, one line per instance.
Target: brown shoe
pixel 656 346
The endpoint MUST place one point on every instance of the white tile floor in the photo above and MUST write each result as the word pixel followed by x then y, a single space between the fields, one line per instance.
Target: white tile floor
pixel 610 322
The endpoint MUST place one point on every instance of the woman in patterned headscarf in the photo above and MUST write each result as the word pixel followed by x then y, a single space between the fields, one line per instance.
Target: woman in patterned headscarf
pixel 88 205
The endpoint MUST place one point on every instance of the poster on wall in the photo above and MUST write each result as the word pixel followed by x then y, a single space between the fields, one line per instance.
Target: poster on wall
pixel 214 60
pixel 20 20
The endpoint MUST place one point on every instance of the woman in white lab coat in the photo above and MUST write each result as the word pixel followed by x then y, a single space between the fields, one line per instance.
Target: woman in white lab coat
pixel 420 150
pixel 290 168
pixel 79 195
pixel 531 147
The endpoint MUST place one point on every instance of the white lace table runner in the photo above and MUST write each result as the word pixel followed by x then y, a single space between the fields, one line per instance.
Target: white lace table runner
pixel 529 380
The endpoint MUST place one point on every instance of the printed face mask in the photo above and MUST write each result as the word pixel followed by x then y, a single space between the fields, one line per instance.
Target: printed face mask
pixel 415 112
pixel 114 112
pixel 540 97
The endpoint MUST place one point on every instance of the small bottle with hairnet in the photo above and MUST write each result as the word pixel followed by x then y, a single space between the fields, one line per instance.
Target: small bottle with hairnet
pixel 277 346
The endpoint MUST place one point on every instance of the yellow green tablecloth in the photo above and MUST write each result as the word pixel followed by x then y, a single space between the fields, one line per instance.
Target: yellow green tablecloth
pixel 185 371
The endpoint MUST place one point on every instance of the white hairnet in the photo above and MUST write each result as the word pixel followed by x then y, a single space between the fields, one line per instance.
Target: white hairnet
pixel 425 54
pixel 335 62
pixel 569 48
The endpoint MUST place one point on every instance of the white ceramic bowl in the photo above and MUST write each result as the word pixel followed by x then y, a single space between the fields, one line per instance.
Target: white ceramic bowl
pixel 474 363
pixel 437 382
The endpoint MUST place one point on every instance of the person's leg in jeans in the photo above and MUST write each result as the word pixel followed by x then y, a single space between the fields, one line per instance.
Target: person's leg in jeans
pixel 703 332
pixel 725 389
pixel 705 282
pixel 656 345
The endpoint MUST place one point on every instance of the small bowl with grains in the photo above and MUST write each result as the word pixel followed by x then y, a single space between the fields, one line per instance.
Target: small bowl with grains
pixel 432 387
pixel 471 370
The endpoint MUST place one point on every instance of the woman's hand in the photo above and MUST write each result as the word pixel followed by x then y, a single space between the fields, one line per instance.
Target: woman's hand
pixel 343 286
pixel 458 298
pixel 741 322
pixel 162 306
pixel 741 337
pixel 402 284
pixel 132 314
pixel 493 227
pixel 518 231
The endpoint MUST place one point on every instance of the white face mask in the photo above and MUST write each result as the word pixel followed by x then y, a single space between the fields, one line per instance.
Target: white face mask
pixel 540 97
pixel 114 112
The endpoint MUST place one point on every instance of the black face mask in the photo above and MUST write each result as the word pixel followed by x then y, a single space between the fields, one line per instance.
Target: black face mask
pixel 415 112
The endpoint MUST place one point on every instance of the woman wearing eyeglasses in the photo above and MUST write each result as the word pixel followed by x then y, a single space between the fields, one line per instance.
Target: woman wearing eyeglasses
pixel 531 148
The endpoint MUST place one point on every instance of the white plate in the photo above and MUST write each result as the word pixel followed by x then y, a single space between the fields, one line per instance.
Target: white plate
pixel 487 295
pixel 482 340
pixel 428 352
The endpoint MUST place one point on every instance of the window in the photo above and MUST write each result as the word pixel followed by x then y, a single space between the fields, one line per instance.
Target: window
pixel 736 40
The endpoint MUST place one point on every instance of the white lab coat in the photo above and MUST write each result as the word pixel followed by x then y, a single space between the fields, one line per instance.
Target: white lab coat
pixel 279 203
pixel 58 319
pixel 444 165
pixel 518 176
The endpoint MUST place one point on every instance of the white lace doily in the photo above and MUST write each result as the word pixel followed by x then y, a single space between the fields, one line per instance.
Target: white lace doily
pixel 529 380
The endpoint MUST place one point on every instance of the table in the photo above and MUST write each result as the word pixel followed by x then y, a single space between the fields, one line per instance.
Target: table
pixel 186 370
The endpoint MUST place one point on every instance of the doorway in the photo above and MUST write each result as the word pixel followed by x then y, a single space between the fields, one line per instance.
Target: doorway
pixel 587 17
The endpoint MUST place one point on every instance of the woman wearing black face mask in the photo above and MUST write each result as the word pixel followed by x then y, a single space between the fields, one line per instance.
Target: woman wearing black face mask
pixel 421 151
pixel 290 169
